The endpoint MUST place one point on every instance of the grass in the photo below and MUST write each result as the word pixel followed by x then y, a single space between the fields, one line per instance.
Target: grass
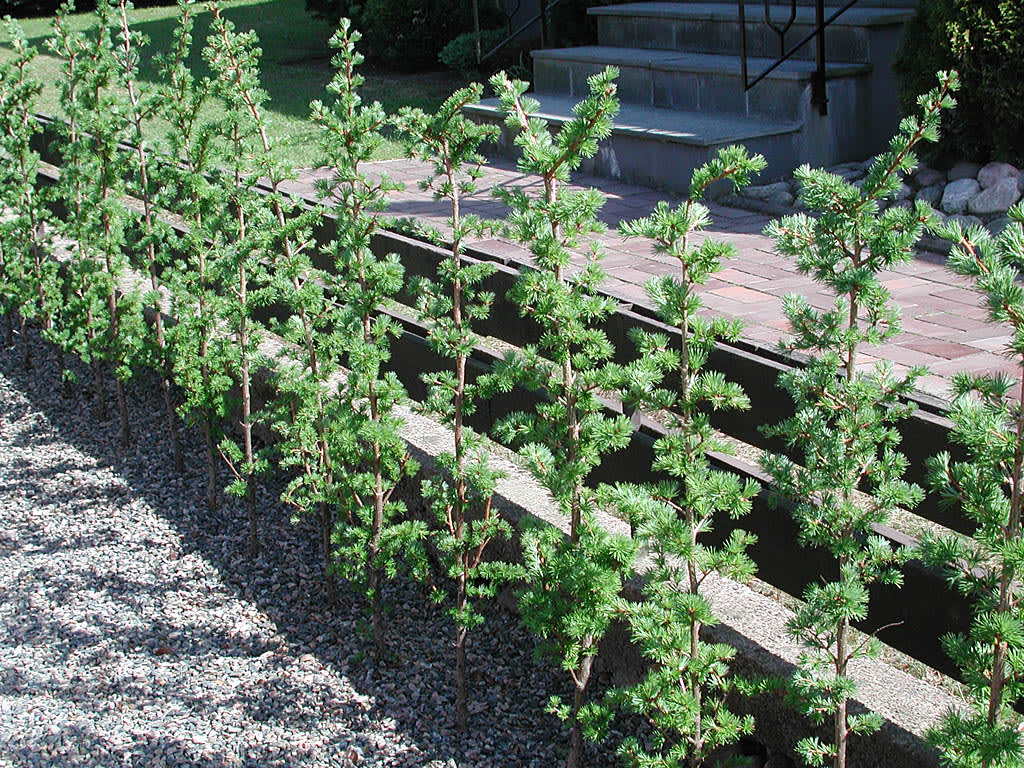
pixel 295 67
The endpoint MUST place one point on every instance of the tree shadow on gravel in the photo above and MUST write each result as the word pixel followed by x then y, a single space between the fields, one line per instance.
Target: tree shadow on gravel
pixel 74 745
pixel 409 699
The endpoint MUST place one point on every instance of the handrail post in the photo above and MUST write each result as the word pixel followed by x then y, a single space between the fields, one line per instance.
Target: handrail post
pixel 819 94
pixel 743 45
pixel 476 30
pixel 543 23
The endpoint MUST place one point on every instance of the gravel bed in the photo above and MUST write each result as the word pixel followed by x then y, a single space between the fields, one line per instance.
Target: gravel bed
pixel 135 631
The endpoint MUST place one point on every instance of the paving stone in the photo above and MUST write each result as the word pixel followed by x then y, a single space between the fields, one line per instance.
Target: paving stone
pixel 996 199
pixel 948 350
pixel 993 173
pixel 939 308
pixel 742 294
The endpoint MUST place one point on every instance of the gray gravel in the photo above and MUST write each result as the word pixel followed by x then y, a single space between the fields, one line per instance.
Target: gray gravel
pixel 134 631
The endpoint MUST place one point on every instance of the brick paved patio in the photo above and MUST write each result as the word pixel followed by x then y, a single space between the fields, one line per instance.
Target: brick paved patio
pixel 944 324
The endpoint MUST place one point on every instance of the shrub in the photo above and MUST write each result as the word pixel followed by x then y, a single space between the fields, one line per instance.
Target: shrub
pixel 984 41
pixel 460 53
pixel 407 34
pixel 25 9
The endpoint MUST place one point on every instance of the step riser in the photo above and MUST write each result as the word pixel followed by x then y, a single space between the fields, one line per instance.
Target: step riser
pixel 662 165
pixel 840 136
pixel 810 3
pixel 851 44
pixel 707 92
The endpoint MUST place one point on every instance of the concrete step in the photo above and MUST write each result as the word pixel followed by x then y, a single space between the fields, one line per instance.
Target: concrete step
pixel 749 4
pixel 661 147
pixel 693 82
pixel 709 27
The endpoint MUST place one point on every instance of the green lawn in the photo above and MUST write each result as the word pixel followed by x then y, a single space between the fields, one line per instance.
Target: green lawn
pixel 295 66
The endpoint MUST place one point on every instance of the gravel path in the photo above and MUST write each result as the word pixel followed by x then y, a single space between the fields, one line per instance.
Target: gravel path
pixel 134 631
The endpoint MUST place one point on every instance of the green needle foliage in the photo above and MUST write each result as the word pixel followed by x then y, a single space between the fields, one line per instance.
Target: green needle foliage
pixel 466 521
pixel 844 425
pixel 281 239
pixel 572 583
pixel 683 695
pixel 988 420
pixel 80 335
pixel 259 230
pixel 371 536
pixel 30 282
pixel 308 415
pixel 108 314
pixel 201 353
pixel 144 186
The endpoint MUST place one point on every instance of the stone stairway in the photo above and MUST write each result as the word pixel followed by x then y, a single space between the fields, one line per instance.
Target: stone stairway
pixel 682 91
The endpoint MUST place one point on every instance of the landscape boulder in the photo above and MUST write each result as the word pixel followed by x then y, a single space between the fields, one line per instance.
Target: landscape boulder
pixel 996 199
pixel 928 177
pixel 931 194
pixel 963 170
pixel 958 194
pixel 993 173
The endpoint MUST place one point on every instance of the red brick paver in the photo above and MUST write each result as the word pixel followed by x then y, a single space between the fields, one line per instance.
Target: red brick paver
pixel 944 324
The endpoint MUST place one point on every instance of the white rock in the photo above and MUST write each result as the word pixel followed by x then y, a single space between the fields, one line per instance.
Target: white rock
pixel 993 173
pixel 958 194
pixel 996 199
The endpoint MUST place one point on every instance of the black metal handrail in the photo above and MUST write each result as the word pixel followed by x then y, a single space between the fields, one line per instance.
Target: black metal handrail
pixel 545 8
pixel 819 95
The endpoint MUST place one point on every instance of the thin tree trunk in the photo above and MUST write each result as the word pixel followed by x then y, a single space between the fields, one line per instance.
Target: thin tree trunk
pixel 840 720
pixel 122 410
pixel 376 576
pixel 575 757
pixel 211 468
pixel 1011 534
pixel 172 423
pixel 377 620
pixel 10 328
pixel 26 346
pixel 101 395
pixel 250 478
pixel 253 517
pixel 461 633
pixel 65 390
pixel 326 529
